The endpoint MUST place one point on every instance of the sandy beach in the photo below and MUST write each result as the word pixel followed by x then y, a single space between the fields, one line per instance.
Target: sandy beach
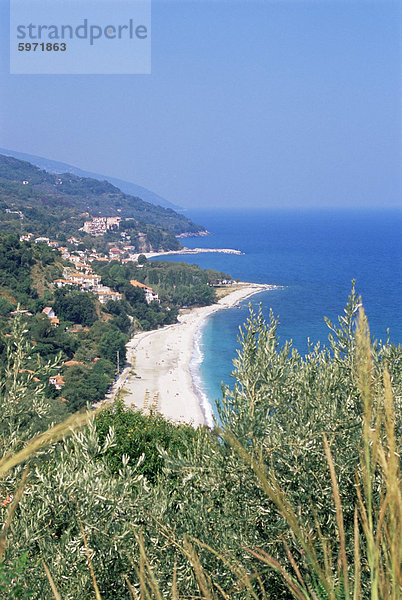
pixel 159 378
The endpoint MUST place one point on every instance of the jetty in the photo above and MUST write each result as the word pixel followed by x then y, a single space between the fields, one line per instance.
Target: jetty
pixel 189 251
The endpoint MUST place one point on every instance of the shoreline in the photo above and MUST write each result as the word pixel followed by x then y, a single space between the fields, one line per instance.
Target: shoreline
pixel 186 252
pixel 160 378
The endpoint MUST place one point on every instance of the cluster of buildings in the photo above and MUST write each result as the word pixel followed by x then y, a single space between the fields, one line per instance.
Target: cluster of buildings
pixel 91 282
pixel 29 237
pixel 59 381
pixel 82 276
pixel 86 281
pixel 100 225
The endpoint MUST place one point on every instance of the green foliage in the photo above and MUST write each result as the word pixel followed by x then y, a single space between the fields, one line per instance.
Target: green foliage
pixel 5 307
pixel 25 407
pixel 87 383
pixel 74 306
pixel 111 344
pixel 50 341
pixel 17 263
pixel 12 578
pixel 53 209
pixel 179 284
pixel 209 510
pixel 149 438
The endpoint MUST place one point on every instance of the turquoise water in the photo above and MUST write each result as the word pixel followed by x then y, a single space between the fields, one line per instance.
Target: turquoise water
pixel 314 255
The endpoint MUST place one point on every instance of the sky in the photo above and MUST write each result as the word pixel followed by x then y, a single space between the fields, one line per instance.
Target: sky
pixel 249 104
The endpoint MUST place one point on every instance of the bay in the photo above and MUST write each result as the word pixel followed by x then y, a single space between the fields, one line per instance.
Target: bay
pixel 313 255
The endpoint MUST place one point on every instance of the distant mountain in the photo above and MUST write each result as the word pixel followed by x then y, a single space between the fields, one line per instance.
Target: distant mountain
pixel 53 166
pixel 35 201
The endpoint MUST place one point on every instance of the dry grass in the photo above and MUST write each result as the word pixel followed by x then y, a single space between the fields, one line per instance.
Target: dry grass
pixel 224 290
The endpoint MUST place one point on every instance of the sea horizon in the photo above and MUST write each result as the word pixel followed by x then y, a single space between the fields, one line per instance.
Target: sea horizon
pixel 313 255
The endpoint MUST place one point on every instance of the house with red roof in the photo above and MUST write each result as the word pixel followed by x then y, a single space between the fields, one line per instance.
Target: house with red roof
pixel 150 295
pixel 58 381
pixel 49 312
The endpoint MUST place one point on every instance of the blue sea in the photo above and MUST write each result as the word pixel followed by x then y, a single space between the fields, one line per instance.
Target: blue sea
pixel 313 255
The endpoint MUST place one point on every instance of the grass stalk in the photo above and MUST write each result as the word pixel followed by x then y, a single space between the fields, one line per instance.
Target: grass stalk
pixel 90 565
pixel 51 582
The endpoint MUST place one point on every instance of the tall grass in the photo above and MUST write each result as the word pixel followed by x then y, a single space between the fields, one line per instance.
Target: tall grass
pixel 365 565
pixel 369 565
pixel 372 565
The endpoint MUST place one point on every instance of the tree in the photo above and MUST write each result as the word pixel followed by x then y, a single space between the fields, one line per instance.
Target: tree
pixel 134 295
pixel 5 307
pixel 77 307
pixel 137 435
pixel 112 345
pixel 87 383
pixel 25 407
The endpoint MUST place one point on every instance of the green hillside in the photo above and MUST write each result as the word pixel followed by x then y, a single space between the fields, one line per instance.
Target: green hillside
pixel 55 166
pixel 86 332
pixel 57 205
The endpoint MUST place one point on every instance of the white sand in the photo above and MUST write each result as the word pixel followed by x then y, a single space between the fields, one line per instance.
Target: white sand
pixel 161 361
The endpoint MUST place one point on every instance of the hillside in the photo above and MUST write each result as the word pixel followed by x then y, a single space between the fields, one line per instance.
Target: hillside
pixel 35 201
pixel 54 166
pixel 300 481
pixel 83 320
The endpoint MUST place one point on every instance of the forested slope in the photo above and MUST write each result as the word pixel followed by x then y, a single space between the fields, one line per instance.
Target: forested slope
pixel 57 205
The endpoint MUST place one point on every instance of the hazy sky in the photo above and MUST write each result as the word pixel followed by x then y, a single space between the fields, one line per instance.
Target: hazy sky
pixel 269 103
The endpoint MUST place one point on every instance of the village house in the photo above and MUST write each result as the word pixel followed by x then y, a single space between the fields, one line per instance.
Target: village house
pixel 113 222
pixel 81 266
pixel 60 283
pixel 93 257
pixel 115 253
pixel 49 312
pixel 129 260
pixel 72 363
pixel 15 212
pixel 26 238
pixel 150 295
pixel 76 328
pixel 95 227
pixel 58 381
pixel 86 281
pixel 99 225
pixel 108 294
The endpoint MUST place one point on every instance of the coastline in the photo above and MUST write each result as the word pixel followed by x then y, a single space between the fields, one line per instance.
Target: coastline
pixel 160 377
pixel 185 252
